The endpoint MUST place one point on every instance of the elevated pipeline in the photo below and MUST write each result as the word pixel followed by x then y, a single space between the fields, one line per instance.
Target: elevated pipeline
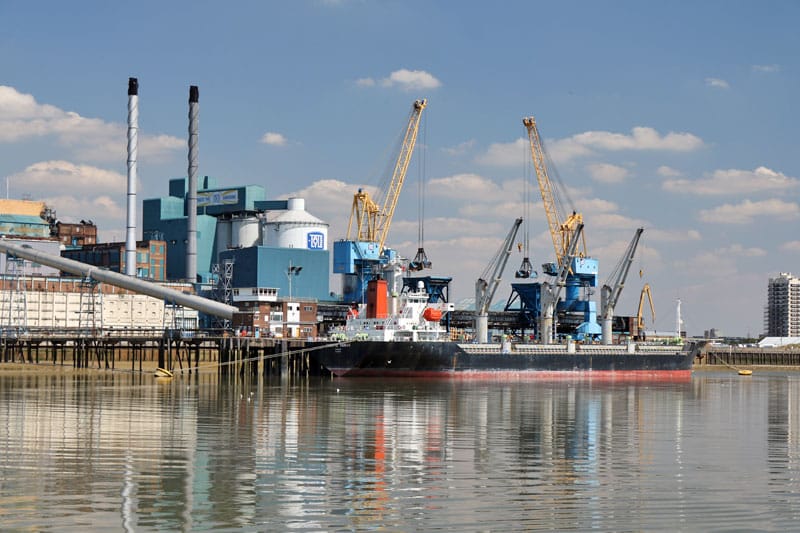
pixel 204 305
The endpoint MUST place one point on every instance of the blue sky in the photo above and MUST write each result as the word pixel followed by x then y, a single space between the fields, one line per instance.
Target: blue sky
pixel 677 116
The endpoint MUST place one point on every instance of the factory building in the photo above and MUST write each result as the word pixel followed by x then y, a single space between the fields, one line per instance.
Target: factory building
pixel 150 257
pixel 267 243
pixel 31 224
pixel 76 235
pixel 262 315
pixel 782 313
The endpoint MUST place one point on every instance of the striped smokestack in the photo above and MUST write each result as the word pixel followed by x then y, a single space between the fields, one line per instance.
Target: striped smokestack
pixel 191 199
pixel 133 145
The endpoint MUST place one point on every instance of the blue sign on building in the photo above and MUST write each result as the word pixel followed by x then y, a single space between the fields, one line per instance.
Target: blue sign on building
pixel 316 240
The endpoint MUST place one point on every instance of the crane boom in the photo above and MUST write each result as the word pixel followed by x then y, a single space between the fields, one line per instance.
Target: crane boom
pixel 561 229
pixel 372 220
pixel 612 288
pixel 552 293
pixel 639 318
pixel 486 285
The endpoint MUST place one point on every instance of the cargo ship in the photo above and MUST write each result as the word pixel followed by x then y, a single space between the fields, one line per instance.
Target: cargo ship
pixel 413 343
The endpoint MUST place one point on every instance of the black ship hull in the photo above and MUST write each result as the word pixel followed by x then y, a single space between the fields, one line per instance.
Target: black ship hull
pixel 450 359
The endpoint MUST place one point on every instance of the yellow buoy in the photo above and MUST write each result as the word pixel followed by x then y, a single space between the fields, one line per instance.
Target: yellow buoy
pixel 744 372
pixel 163 373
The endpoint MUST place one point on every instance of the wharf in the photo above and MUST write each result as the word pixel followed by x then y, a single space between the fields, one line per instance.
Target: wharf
pixel 181 352
pixel 711 355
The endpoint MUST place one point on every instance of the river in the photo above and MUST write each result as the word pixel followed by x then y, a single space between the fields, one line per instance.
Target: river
pixel 126 452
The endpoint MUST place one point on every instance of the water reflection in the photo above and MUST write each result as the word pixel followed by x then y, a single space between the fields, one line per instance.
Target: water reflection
pixel 122 451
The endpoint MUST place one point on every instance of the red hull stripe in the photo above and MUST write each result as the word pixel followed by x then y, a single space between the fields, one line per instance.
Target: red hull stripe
pixel 511 375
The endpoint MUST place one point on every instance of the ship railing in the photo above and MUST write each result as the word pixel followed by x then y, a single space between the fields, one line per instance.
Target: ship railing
pixel 524 348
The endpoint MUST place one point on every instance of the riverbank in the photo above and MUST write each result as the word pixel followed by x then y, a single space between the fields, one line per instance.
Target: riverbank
pixel 148 367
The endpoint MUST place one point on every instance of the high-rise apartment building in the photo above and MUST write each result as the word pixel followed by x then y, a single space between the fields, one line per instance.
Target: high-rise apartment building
pixel 782 314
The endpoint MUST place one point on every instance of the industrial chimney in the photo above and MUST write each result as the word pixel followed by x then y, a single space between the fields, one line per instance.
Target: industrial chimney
pixel 133 142
pixel 191 198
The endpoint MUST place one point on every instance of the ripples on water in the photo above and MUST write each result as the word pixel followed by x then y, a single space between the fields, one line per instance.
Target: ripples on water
pixel 127 452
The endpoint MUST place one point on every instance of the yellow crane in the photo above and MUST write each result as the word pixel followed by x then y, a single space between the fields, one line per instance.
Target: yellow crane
pixel 639 315
pixel 561 228
pixel 370 221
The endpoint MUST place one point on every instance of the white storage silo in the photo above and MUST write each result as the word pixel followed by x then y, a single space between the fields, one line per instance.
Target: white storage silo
pixel 296 228
pixel 245 231
pixel 223 238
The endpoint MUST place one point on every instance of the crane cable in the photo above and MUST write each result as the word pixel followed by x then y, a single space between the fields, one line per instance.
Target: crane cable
pixel 526 197
pixel 421 166
pixel 563 193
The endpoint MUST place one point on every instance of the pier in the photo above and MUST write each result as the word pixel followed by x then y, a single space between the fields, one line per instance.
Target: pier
pixel 179 351
pixel 711 355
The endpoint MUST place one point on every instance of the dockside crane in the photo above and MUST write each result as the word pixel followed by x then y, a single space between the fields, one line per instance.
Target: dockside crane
pixel 361 255
pixel 580 312
pixel 550 293
pixel 486 285
pixel 639 316
pixel 370 221
pixel 562 228
pixel 612 288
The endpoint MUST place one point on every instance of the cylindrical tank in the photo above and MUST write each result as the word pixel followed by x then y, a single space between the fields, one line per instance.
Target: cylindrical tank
pixel 223 238
pixel 245 232
pixel 296 228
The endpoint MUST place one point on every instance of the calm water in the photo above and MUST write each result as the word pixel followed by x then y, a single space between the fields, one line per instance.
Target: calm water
pixel 125 452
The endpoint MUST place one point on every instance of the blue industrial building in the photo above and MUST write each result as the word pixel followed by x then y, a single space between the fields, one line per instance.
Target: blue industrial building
pixel 271 243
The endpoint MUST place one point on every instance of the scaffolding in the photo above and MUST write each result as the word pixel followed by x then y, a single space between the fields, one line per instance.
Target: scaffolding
pixel 223 291
pixel 15 309
pixel 90 307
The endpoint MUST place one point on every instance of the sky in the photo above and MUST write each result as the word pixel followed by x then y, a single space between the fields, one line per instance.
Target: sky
pixel 678 117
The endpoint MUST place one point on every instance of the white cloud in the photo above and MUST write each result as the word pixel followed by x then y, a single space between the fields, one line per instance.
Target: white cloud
pixel 733 181
pixel 273 139
pixel 717 83
pixel 791 246
pixel 641 138
pixel 511 154
pixel 365 82
pixel 661 235
pixel 22 118
pixel 737 250
pixel 607 173
pixel 610 221
pixel 449 228
pixel 767 68
pixel 589 143
pixel 668 172
pixel 331 200
pixel 459 149
pixel 43 177
pixel 464 186
pixel 410 80
pixel 746 211
pixel 103 210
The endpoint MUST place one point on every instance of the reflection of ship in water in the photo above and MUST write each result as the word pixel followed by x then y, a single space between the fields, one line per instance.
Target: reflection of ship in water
pixel 446 435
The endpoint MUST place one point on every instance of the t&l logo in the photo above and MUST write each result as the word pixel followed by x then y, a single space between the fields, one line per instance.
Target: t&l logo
pixel 316 241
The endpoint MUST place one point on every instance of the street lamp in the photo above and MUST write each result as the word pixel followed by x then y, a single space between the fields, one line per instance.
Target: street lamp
pixel 291 272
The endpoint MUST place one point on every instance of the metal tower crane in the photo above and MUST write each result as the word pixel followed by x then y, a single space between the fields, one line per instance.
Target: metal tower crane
pixel 577 312
pixel 561 228
pixel 361 255
pixel 612 288
pixel 372 220
pixel 487 284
